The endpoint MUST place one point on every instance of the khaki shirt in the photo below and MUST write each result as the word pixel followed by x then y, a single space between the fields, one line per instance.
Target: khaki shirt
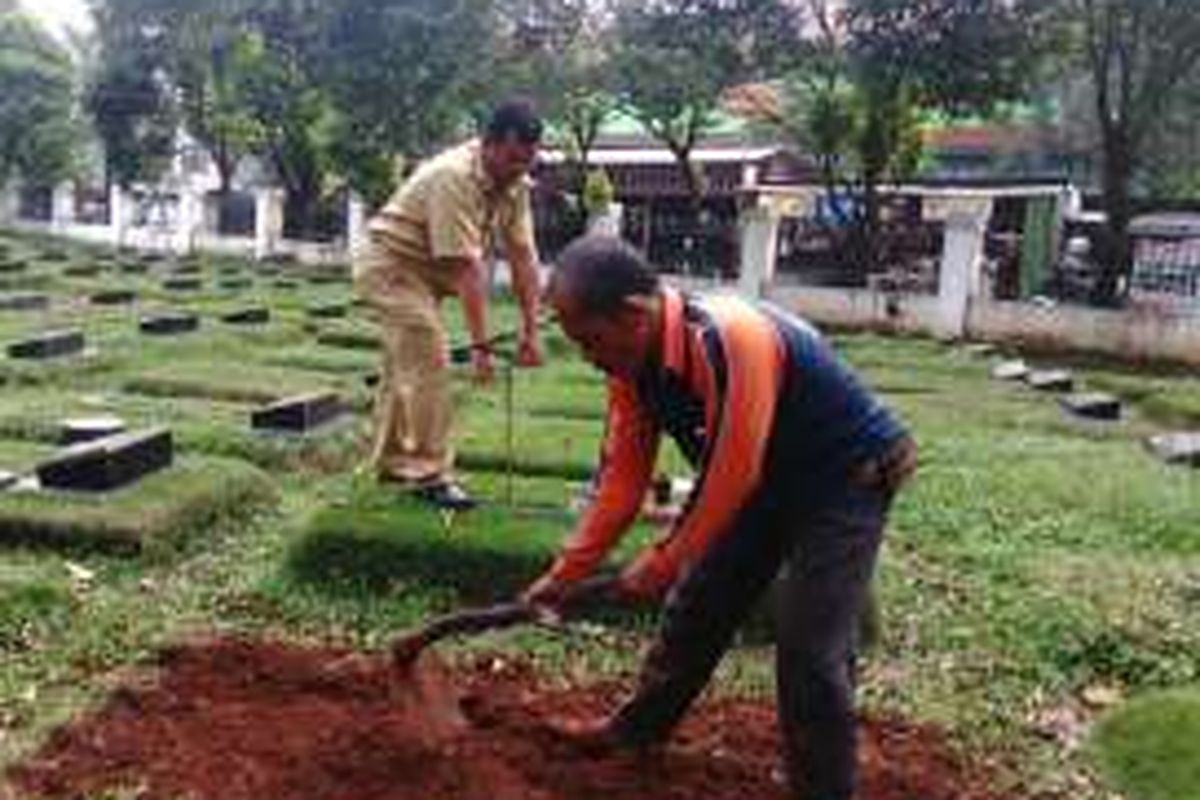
pixel 449 208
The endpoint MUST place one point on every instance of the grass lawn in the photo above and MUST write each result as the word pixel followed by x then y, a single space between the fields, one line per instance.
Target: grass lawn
pixel 1034 560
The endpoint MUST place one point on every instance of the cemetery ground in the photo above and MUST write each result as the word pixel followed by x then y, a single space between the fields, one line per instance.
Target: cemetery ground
pixel 1039 591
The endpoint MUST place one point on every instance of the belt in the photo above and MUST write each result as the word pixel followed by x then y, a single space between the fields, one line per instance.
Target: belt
pixel 889 470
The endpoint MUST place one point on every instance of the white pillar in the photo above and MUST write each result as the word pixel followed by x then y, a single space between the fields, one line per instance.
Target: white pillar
pixel 961 273
pixel 189 221
pixel 62 206
pixel 356 222
pixel 268 222
pixel 607 223
pixel 8 203
pixel 760 232
pixel 118 215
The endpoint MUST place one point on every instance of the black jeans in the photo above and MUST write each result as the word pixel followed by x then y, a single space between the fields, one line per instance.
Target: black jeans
pixel 824 555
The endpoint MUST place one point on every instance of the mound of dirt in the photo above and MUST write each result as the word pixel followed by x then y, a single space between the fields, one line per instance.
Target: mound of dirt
pixel 241 720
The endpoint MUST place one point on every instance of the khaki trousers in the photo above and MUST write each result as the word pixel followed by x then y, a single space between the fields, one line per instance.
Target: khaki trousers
pixel 413 404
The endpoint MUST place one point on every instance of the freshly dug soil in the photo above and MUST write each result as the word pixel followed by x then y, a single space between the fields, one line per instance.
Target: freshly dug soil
pixel 246 720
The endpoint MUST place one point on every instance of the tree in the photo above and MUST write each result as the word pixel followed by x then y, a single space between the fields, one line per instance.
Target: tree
pixel 675 57
pixel 38 131
pixel 874 67
pixel 1140 54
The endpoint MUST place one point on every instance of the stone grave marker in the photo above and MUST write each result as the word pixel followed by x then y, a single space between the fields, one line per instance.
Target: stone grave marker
pixel 980 349
pixel 87 429
pixel 8 479
pixel 1092 405
pixel 229 269
pixel 23 301
pixel 8 267
pixel 109 463
pixel 169 324
pixel 325 278
pixel 113 297
pixel 50 344
pixel 1010 371
pixel 299 413
pixel 285 284
pixel 184 284
pixel 134 267
pixel 1182 448
pixel 235 284
pixel 255 315
pixel 55 254
pixel 371 380
pixel 1051 380
pixel 266 270
pixel 185 268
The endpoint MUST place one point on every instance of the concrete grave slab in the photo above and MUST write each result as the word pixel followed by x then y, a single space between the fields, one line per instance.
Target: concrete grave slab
pixel 108 463
pixel 133 268
pixel 50 344
pixel 229 269
pixel 1051 380
pixel 979 349
pixel 8 479
pixel 169 324
pixel 55 254
pixel 1092 405
pixel 185 268
pixel 113 297
pixel 1182 448
pixel 235 284
pixel 23 301
pixel 266 270
pixel 12 267
pixel 1011 371
pixel 87 429
pixel 299 413
pixel 285 285
pixel 256 315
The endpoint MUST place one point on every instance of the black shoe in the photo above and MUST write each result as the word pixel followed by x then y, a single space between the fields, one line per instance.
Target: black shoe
pixel 445 495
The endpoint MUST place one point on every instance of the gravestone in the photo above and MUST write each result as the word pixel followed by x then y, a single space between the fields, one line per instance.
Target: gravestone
pixel 979 349
pixel 48 345
pixel 89 270
pixel 229 269
pixel 266 270
pixel 55 254
pixel 1011 371
pixel 169 324
pixel 133 268
pixel 108 463
pixel 113 297
pixel 186 268
pixel 325 278
pixel 298 414
pixel 327 310
pixel 12 267
pixel 1051 380
pixel 1093 405
pixel 285 285
pixel 256 315
pixel 236 284
pixel 23 301
pixel 87 429
pixel 8 479
pixel 1180 448
pixel 371 380
pixel 150 259
pixel 183 284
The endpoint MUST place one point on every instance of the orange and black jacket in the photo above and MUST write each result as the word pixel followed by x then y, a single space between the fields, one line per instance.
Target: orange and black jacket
pixel 751 395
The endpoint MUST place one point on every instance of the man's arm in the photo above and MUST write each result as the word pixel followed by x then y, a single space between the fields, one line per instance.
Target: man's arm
pixel 627 463
pixel 471 285
pixel 522 261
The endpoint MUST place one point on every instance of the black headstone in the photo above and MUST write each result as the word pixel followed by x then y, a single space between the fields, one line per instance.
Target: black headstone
pixel 285 284
pixel 258 315
pixel 186 284
pixel 328 310
pixel 298 414
pixel 234 284
pixel 108 463
pixel 169 324
pixel 1093 405
pixel 113 297
pixel 87 429
pixel 186 268
pixel 48 345
pixel 23 301
pixel 134 267
pixel 55 254
pixel 89 270
pixel 12 267
pixel 266 270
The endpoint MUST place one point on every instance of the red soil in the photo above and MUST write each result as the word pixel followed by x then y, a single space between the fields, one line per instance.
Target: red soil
pixel 240 720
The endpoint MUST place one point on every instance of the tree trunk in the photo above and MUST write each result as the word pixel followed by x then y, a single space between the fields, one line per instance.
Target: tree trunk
pixel 1116 250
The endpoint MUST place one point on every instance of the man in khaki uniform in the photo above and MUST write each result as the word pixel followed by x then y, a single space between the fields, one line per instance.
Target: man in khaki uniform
pixel 429 242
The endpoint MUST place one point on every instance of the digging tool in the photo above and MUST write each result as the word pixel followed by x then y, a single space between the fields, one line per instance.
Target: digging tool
pixel 407 648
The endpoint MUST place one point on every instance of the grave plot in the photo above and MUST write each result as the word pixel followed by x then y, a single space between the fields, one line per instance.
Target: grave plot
pixel 1179 448
pixel 24 301
pixel 300 414
pixel 184 500
pixel 49 344
pixel 251 315
pixel 108 462
pixel 169 324
pixel 1092 405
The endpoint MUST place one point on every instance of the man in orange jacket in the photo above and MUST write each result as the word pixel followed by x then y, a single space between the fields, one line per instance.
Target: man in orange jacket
pixel 796 466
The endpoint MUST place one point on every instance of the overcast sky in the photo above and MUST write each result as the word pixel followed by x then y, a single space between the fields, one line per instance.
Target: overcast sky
pixel 59 14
